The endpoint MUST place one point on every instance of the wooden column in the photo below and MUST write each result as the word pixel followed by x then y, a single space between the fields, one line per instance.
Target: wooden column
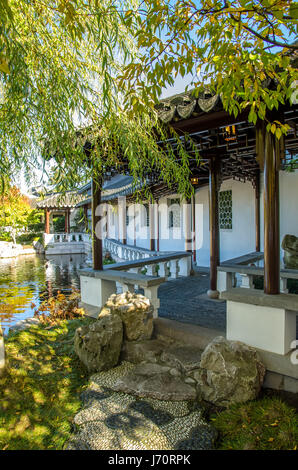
pixel 187 225
pixel 47 221
pixel 214 225
pixel 86 217
pixel 96 219
pixel 122 219
pixel 134 225
pixel 157 229
pixel 152 226
pixel 271 216
pixel 67 221
pixel 257 212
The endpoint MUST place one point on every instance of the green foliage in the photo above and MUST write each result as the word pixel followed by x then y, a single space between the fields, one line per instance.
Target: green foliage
pixel 28 238
pixel 59 223
pixel 266 424
pixel 231 48
pixel 101 67
pixel 40 390
pixel 109 261
pixel 16 213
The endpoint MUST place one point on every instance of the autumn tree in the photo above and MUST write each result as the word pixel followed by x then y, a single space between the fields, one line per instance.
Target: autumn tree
pixel 15 213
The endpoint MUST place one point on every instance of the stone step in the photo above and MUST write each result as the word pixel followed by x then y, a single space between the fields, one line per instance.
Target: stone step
pixel 185 333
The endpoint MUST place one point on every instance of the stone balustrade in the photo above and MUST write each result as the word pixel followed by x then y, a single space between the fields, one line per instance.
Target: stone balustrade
pixel 244 277
pixel 146 273
pixel 67 243
pixel 127 252
pixel 76 237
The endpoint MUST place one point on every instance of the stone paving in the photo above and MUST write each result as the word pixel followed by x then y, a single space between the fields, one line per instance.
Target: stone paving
pixel 117 421
pixel 185 300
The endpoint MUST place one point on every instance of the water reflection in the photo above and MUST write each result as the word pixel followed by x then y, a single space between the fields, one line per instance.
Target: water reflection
pixel 31 279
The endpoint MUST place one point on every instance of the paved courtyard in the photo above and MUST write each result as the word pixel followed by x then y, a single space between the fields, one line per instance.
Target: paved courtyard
pixel 185 300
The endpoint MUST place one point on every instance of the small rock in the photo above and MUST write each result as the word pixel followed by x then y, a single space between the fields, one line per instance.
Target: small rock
pixel 139 351
pixel 190 381
pixel 184 358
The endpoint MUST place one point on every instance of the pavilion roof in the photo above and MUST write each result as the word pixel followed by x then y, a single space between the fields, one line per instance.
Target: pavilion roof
pixel 117 186
pixel 60 200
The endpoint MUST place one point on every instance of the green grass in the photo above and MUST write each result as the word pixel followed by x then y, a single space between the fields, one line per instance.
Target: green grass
pixel 40 389
pixel 264 424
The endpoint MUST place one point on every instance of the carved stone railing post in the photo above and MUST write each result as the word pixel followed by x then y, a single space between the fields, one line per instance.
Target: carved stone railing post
pixel 164 270
pixel 283 285
pixel 174 269
pixel 151 294
pixel 247 281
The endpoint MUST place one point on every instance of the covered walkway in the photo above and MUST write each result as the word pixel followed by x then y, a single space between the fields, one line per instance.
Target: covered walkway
pixel 185 300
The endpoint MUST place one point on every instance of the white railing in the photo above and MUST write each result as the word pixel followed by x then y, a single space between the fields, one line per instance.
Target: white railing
pixel 51 238
pixel 127 252
pixel 155 269
pixel 152 263
pixel 245 277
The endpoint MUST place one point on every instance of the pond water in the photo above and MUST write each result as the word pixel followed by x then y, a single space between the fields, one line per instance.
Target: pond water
pixel 31 279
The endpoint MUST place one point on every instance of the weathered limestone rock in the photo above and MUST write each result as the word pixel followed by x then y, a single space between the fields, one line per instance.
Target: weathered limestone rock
pixel 99 344
pixel 230 372
pixel 135 311
pixel 148 350
pixel 155 381
pixel 290 247
pixel 185 358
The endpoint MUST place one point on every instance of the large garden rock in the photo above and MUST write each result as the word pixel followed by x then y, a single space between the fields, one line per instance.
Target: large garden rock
pixel 290 247
pixel 99 344
pixel 135 311
pixel 230 372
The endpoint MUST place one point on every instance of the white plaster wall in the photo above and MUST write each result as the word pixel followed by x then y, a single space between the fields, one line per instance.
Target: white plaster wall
pixel 170 239
pixel 241 238
pixel 288 189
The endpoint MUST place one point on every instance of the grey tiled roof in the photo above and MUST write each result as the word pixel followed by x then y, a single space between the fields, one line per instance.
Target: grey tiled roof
pixel 59 200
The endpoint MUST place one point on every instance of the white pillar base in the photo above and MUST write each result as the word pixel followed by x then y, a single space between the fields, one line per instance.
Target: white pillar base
pixel 96 291
pixel 264 327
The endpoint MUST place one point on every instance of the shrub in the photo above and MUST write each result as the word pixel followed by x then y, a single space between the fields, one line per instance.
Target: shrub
pixel 56 309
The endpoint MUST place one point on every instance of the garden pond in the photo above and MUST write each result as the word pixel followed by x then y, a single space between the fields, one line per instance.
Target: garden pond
pixel 25 281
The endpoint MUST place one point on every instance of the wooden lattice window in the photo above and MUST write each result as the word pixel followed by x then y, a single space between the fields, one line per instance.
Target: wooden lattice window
pixel 225 210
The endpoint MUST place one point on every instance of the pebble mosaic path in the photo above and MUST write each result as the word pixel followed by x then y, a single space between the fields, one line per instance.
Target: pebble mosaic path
pixel 117 421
